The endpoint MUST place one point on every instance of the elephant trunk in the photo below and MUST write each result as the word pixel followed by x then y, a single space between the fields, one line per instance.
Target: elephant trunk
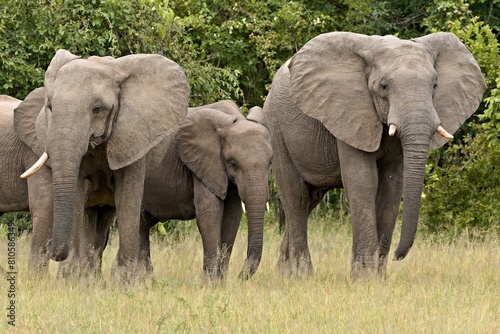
pixel 256 207
pixel 66 152
pixel 415 138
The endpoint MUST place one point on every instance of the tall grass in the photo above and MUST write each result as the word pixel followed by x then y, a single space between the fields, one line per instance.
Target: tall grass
pixel 441 287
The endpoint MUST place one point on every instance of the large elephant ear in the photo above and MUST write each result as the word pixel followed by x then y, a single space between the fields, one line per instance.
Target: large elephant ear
pixel 61 58
pixel 25 118
pixel 461 84
pixel 154 99
pixel 328 83
pixel 199 147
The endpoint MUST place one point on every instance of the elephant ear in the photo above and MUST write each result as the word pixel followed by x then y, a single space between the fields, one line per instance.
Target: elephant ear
pixel 328 83
pixel 61 58
pixel 199 147
pixel 25 118
pixel 154 98
pixel 461 84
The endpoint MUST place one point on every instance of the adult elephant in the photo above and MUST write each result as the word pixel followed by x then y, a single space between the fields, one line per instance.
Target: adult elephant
pixel 112 115
pixel 17 194
pixel 362 112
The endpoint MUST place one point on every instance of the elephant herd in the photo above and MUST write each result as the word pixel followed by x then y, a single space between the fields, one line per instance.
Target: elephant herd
pixel 113 139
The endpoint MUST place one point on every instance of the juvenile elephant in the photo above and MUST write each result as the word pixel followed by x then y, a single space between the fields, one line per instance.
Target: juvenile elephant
pixel 109 115
pixel 362 112
pixel 17 194
pixel 218 161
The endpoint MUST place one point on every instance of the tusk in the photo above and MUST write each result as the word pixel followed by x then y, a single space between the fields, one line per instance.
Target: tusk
pixel 267 206
pixel 243 207
pixel 392 130
pixel 444 133
pixel 43 159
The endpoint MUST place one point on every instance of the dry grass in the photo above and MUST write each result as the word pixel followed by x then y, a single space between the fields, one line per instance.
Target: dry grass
pixel 439 288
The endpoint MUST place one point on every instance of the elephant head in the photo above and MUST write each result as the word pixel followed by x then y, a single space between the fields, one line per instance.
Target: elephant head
pixel 219 146
pixel 129 103
pixel 358 85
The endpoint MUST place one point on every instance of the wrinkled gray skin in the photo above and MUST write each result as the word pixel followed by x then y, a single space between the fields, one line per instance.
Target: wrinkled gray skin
pixel 104 115
pixel 17 194
pixel 329 111
pixel 218 160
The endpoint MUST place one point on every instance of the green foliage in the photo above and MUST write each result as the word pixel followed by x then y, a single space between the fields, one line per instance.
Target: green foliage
pixel 173 229
pixel 462 192
pixel 22 221
pixel 35 29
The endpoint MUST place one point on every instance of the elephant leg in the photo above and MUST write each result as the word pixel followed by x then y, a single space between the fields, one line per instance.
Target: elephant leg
pixel 390 189
pixel 293 192
pixel 230 224
pixel 129 190
pixel 100 234
pixel 294 196
pixel 106 217
pixel 360 179
pixel 42 216
pixel 145 251
pixel 209 212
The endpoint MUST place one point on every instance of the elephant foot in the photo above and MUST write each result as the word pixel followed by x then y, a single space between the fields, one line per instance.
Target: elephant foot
pixel 249 268
pixel 368 267
pixel 130 272
pixel 300 266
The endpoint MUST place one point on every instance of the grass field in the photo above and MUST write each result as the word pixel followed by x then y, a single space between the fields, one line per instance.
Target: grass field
pixel 440 287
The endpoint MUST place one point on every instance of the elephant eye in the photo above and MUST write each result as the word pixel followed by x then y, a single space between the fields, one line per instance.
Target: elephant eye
pixel 383 86
pixel 97 107
pixel 233 164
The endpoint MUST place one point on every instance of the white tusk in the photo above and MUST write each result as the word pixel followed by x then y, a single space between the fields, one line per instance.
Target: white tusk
pixel 243 207
pixel 392 130
pixel 444 133
pixel 33 169
pixel 267 206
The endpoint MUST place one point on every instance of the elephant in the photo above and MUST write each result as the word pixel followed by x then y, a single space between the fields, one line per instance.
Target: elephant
pixel 218 160
pixel 361 113
pixel 35 195
pixel 107 115
pixel 17 194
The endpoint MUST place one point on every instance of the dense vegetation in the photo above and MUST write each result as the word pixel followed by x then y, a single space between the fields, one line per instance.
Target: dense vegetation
pixel 231 49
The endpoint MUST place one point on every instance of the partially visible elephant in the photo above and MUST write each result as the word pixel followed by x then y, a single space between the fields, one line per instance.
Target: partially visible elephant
pixel 17 194
pixel 35 195
pixel 218 161
pixel 362 112
pixel 109 115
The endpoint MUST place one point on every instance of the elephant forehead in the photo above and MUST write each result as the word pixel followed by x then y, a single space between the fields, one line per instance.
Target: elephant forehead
pixel 403 48
pixel 248 130
pixel 84 71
